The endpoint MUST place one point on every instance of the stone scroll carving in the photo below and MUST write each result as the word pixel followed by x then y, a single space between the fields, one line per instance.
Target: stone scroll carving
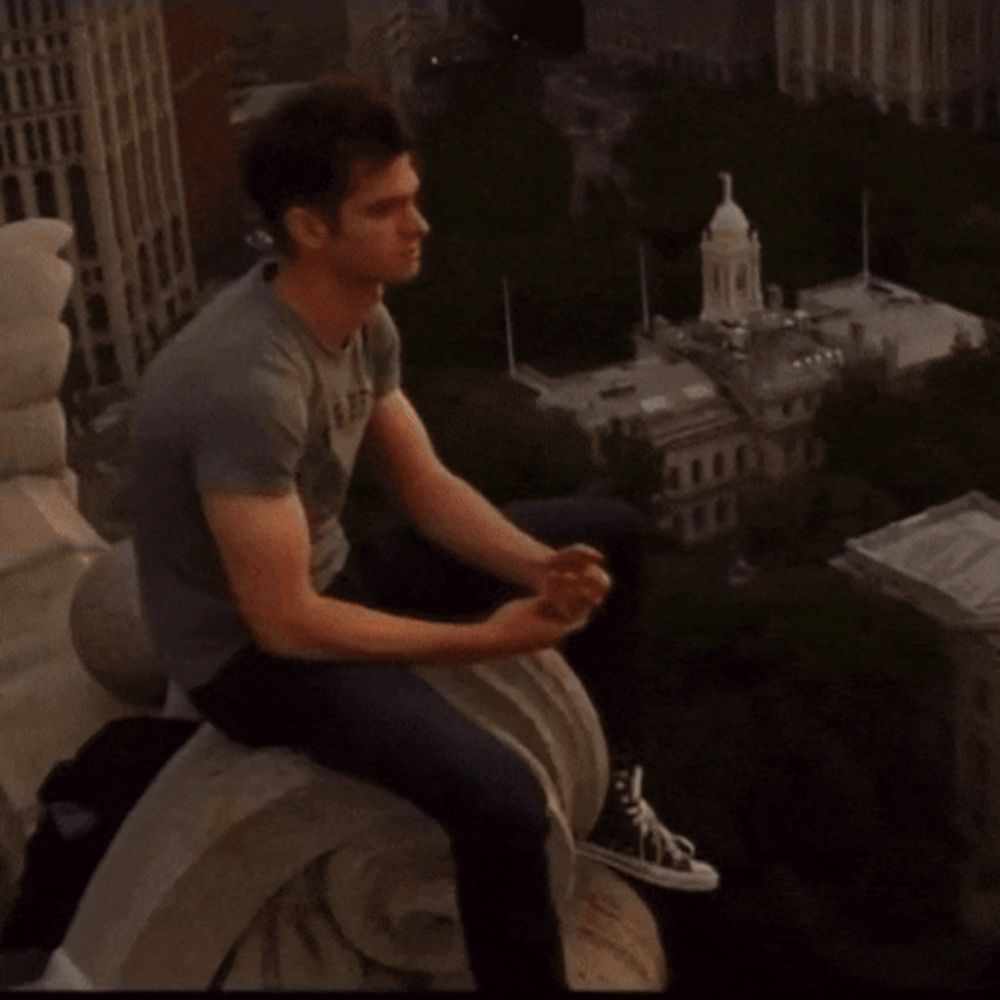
pixel 48 704
pixel 258 869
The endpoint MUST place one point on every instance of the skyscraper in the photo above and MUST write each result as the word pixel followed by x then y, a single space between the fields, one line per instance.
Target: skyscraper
pixel 87 133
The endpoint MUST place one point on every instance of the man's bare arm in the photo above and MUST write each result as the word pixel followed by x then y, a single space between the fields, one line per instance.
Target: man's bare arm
pixel 459 518
pixel 263 542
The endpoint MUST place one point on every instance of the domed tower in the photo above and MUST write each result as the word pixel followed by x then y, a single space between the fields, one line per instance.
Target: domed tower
pixel 730 263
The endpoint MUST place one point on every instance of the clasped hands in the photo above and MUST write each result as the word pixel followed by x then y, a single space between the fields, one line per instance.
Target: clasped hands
pixel 572 584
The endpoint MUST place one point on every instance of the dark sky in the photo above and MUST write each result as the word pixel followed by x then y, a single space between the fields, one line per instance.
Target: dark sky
pixel 556 24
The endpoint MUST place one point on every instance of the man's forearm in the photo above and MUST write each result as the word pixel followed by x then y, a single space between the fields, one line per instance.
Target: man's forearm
pixel 461 520
pixel 328 628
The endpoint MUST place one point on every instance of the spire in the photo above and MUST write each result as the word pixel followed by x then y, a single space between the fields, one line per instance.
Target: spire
pixel 727 185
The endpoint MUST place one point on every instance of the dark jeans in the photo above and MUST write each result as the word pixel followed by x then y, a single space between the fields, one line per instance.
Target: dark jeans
pixel 383 723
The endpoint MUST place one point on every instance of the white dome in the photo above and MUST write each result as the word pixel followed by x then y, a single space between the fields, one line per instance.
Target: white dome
pixel 729 219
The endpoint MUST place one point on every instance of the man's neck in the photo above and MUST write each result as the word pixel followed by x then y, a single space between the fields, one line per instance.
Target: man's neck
pixel 331 309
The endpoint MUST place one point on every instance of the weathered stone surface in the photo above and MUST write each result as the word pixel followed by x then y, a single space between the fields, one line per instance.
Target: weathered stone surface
pixel 109 632
pixel 33 361
pixel 236 864
pixel 33 439
pixel 612 942
pixel 35 281
pixel 40 522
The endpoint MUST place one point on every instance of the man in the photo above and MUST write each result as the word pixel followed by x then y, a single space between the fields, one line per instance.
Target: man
pixel 248 426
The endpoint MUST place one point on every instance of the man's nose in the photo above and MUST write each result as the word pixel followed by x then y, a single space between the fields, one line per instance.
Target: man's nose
pixel 416 224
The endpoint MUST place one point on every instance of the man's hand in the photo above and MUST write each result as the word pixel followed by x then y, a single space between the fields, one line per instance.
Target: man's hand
pixel 524 625
pixel 573 583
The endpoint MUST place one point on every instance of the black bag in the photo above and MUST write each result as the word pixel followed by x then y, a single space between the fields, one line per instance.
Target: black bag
pixel 85 802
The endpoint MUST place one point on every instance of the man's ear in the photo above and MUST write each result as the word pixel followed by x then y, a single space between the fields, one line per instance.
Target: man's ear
pixel 306 228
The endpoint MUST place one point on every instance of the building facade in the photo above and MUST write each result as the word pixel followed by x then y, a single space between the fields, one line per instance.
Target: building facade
pixel 938 59
pixel 945 562
pixel 200 57
pixel 88 135
pixel 716 40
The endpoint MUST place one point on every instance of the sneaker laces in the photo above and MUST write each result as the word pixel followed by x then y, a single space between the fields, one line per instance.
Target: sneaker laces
pixel 653 834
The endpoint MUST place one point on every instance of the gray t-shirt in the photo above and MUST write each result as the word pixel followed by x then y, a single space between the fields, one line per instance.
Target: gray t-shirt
pixel 244 399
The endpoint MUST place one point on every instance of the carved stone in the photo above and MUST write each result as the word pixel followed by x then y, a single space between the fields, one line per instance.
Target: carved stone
pixel 258 869
pixel 109 633
pixel 48 704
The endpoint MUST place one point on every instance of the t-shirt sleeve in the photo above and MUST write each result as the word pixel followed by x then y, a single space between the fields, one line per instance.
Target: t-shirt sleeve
pixel 249 437
pixel 384 353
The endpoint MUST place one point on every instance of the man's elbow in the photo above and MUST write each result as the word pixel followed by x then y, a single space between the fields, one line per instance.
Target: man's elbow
pixel 278 631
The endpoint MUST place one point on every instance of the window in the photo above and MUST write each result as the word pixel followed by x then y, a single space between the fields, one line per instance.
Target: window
pixel 160 252
pixel 97 313
pixel 70 82
pixel 22 89
pixel 63 136
pixel 698 519
pixel 145 277
pixel 741 458
pixel 29 140
pixel 177 239
pixel 108 372
pixel 44 143
pixel 55 74
pixel 719 465
pixel 673 478
pixel 721 512
pixel 83 220
pixel 36 86
pixel 696 471
pixel 45 195
pixel 13 203
pixel 11 138
pixel 4 94
pixel 77 134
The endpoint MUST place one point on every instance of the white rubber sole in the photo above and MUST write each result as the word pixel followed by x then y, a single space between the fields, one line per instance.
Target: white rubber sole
pixel 701 877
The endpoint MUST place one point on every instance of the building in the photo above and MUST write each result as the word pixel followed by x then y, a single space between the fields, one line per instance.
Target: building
pixel 938 59
pixel 701 438
pixel 719 40
pixel 945 562
pixel 726 401
pixel 888 328
pixel 89 135
pixel 200 56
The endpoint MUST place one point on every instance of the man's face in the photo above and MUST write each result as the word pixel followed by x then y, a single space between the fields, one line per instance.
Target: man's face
pixel 380 230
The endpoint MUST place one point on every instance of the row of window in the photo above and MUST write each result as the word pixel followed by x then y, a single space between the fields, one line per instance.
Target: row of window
pixel 47 204
pixel 696 475
pixel 34 89
pixel 34 142
pixel 32 13
pixel 718 516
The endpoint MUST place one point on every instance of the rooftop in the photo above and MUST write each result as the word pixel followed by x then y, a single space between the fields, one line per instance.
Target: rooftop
pixel 919 329
pixel 944 561
pixel 645 388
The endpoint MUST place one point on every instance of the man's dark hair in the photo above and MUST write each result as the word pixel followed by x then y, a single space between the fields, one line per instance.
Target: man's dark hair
pixel 304 151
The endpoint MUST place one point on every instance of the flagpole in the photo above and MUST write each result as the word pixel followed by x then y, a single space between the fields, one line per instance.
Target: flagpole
pixel 509 327
pixel 865 273
pixel 643 289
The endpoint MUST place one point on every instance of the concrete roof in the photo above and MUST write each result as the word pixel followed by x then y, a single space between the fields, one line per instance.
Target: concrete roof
pixel 944 561
pixel 921 329
pixel 648 387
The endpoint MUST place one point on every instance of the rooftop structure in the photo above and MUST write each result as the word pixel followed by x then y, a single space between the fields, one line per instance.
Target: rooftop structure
pixel 945 561
pixel 874 318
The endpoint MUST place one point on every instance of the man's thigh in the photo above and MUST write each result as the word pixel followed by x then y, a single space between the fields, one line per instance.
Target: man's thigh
pixel 381 722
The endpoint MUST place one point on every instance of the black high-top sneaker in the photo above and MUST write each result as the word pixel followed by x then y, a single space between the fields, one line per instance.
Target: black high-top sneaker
pixel 630 838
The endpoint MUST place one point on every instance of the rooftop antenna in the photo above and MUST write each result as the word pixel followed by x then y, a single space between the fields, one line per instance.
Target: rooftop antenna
pixel 643 289
pixel 509 327
pixel 865 273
